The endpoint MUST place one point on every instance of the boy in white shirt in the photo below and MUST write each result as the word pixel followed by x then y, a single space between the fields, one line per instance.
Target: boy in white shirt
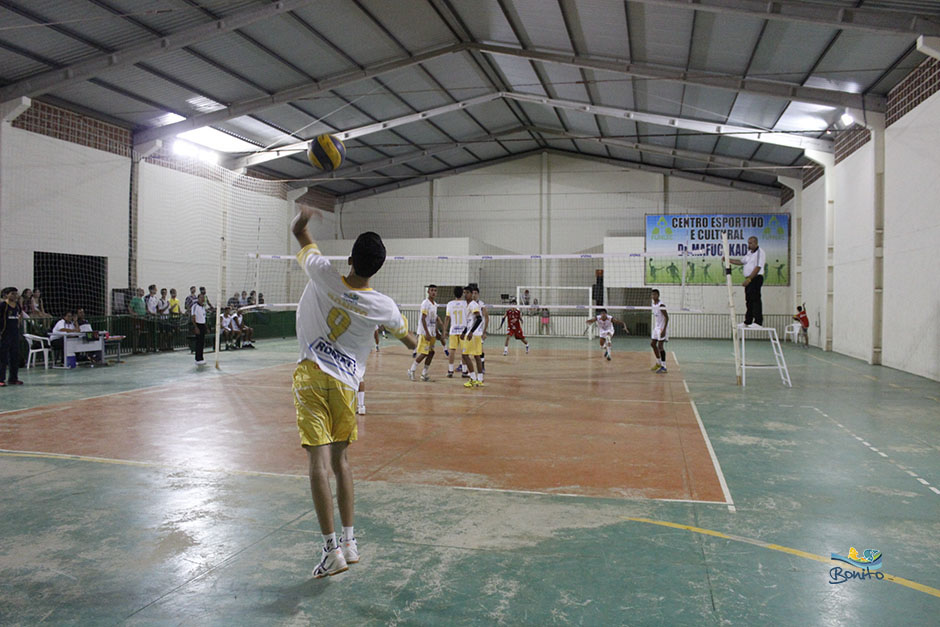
pixel 427 334
pixel 336 318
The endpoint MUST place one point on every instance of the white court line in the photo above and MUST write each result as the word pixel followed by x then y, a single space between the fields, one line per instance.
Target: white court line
pixel 686 386
pixel 711 451
pixel 674 358
pixel 922 481
pixel 935 490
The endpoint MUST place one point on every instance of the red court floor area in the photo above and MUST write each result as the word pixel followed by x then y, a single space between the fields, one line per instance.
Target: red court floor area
pixel 558 421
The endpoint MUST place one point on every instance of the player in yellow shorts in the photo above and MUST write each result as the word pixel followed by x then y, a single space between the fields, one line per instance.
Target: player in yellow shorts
pixel 427 334
pixel 454 324
pixel 336 318
pixel 473 340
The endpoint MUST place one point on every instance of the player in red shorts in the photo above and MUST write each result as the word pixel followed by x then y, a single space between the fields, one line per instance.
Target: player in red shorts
pixel 514 327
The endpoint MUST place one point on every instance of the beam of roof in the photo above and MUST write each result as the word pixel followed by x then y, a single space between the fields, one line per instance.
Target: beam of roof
pixel 379 164
pixel 721 161
pixel 93 66
pixel 739 132
pixel 744 186
pixel 372 191
pixel 252 105
pixel 289 149
pixel 620 163
pixel 877 20
pixel 761 87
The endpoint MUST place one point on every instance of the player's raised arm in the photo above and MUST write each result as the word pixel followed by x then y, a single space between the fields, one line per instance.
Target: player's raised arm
pixel 298 226
pixel 590 321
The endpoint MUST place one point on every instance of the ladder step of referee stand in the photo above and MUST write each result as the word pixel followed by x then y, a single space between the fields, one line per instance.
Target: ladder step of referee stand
pixel 781 364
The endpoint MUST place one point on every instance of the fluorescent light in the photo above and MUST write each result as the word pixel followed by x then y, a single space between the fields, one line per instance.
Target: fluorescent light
pixel 192 151
pixel 217 140
pixel 847 119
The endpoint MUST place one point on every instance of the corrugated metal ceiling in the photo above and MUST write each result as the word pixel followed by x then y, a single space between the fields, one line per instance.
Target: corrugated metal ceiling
pixel 295 69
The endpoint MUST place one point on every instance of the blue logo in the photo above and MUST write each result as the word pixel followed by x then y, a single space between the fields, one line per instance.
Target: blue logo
pixel 862 566
pixel 333 356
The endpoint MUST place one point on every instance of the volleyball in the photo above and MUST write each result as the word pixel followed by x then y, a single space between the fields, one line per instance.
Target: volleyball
pixel 326 153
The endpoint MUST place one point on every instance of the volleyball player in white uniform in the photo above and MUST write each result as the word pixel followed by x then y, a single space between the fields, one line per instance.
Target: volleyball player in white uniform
pixel 455 322
pixel 659 336
pixel 427 334
pixel 605 330
pixel 336 317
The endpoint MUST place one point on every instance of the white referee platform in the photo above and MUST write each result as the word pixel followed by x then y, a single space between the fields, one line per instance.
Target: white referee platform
pixel 771 334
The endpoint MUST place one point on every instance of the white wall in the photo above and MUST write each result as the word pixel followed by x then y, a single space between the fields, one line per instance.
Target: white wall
pixel 814 258
pixel 853 241
pixel 60 197
pixel 912 230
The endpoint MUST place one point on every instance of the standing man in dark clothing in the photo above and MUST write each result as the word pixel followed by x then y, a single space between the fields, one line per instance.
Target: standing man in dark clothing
pixel 753 263
pixel 198 317
pixel 10 315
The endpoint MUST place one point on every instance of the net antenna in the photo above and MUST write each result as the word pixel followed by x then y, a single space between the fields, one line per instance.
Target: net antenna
pixel 734 326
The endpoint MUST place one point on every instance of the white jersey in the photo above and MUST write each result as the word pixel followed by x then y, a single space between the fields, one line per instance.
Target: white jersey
pixel 474 308
pixel 335 322
pixel 429 311
pixel 226 322
pixel 605 327
pixel 659 320
pixel 457 311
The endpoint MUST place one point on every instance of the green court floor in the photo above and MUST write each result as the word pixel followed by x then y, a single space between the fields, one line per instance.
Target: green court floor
pixel 849 457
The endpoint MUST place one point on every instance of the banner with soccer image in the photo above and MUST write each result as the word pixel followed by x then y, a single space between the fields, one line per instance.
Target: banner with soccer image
pixel 667 236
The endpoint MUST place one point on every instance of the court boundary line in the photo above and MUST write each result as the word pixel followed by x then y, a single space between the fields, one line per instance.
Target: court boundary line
pixel 260 473
pixel 711 452
pixel 783 549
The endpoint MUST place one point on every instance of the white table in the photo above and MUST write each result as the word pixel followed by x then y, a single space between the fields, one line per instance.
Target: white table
pixel 74 343
pixel 771 334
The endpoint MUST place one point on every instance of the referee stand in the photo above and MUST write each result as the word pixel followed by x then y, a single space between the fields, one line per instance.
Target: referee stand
pixel 771 334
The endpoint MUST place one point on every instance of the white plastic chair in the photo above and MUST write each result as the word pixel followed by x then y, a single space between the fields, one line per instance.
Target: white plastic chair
pixel 38 344
pixel 792 330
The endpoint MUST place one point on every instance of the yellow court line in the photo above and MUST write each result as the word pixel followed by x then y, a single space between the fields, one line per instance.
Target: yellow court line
pixel 784 549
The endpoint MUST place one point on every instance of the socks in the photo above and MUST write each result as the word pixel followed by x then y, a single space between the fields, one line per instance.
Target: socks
pixel 424 372
pixel 414 366
pixel 450 367
pixel 480 377
pixel 360 398
pixel 348 533
pixel 473 376
pixel 329 541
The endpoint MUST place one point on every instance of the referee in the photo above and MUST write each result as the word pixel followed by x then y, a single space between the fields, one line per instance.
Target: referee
pixel 753 263
pixel 198 316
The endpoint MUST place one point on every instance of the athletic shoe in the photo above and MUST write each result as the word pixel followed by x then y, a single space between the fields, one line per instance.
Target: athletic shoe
pixel 201 362
pixel 2 384
pixel 425 377
pixel 411 375
pixel 450 375
pixel 446 353
pixel 608 356
pixel 505 353
pixel 478 384
pixel 754 325
pixel 17 382
pixel 526 349
pixel 361 410
pixel 350 550
pixel 376 348
pixel 655 367
pixel 662 370
pixel 469 384
pixel 464 375
pixel 333 563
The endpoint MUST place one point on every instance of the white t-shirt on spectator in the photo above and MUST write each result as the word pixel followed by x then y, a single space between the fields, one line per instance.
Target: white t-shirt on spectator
pixel 754 258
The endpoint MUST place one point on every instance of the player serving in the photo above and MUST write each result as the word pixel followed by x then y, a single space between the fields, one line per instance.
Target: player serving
pixel 605 329
pixel 513 320
pixel 659 337
pixel 427 334
pixel 336 318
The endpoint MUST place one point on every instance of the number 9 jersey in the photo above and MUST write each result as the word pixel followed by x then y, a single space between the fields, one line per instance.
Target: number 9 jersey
pixel 335 321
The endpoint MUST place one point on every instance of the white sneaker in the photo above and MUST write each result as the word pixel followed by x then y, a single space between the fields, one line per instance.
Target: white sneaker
pixel 754 325
pixel 350 550
pixel 361 410
pixel 425 377
pixel 505 353
pixel 201 362
pixel 333 563
pixel 411 375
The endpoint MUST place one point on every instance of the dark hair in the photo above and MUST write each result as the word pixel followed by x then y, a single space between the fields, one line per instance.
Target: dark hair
pixel 7 290
pixel 798 308
pixel 152 286
pixel 601 310
pixel 202 289
pixel 651 291
pixel 469 288
pixel 458 292
pixel 432 285
pixel 368 254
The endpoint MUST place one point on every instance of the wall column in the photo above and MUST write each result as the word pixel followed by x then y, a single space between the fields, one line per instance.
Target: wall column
pixel 827 161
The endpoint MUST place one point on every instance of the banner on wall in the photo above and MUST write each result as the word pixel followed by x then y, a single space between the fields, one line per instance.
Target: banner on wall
pixel 667 236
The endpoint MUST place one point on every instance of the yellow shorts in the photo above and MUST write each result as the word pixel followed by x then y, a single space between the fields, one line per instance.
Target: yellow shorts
pixel 326 408
pixel 424 347
pixel 473 346
pixel 454 342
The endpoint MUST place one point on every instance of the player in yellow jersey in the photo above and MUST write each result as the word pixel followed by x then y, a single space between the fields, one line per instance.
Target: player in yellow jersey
pixel 454 324
pixel 472 338
pixel 336 317
pixel 428 324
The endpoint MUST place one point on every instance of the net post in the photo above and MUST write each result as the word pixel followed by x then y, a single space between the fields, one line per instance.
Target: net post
pixel 734 326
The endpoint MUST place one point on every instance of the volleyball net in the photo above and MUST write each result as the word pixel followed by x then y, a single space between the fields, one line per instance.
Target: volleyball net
pixel 556 294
